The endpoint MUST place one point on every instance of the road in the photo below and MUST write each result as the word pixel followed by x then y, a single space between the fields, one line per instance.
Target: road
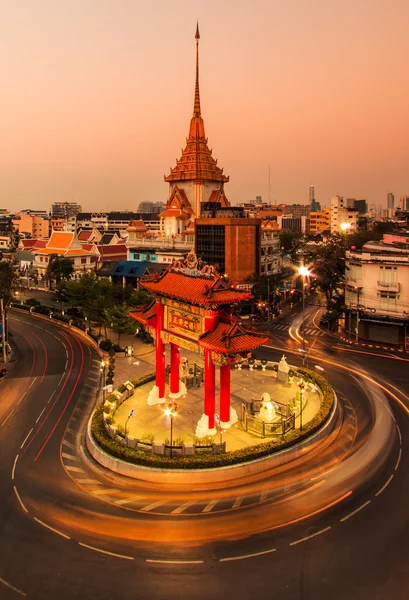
pixel 322 529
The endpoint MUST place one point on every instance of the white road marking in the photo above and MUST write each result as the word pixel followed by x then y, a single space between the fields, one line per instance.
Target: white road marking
pixel 22 397
pixel 149 507
pixel 39 416
pixel 310 536
pixel 238 502
pixel 230 558
pixel 19 499
pixel 103 491
pixel 263 495
pixel 182 508
pixel 14 467
pixel 398 461
pixel 384 486
pixel 71 431
pixel 74 419
pixel 355 511
pixel 106 551
pixel 50 398
pixel 399 434
pixel 26 438
pixel 11 587
pixel 67 537
pixel 125 500
pixel 76 469
pixel 88 481
pixel 210 506
pixel 60 379
pixel 66 365
pixel 64 455
pixel 350 437
pixel 8 416
pixel 32 382
pixel 65 443
pixel 175 562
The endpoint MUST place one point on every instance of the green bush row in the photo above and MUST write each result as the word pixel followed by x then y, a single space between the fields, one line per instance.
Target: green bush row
pixel 206 461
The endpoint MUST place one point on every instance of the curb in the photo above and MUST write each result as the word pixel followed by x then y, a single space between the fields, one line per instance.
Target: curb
pixel 226 474
pixel 376 346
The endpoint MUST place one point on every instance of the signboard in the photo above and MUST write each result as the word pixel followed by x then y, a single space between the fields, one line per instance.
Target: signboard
pixel 183 322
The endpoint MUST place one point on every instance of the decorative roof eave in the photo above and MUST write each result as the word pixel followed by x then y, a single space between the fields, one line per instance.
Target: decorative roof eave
pixel 232 339
pixel 145 314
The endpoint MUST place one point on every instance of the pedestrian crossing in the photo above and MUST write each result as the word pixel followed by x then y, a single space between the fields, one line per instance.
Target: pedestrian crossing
pixel 308 330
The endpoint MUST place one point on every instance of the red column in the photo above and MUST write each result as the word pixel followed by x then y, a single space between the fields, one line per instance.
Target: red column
pixel 225 393
pixel 160 351
pixel 174 368
pixel 209 387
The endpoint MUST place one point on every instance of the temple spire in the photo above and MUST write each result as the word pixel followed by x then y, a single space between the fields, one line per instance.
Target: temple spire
pixel 196 109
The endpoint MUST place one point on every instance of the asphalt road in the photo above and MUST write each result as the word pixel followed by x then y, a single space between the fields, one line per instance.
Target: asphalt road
pixel 70 530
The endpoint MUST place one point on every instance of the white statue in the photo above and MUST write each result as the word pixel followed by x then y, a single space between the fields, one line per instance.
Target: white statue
pixel 282 365
pixel 267 410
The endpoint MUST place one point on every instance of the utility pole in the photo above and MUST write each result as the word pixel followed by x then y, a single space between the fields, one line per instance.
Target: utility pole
pixel 268 298
pixel 3 326
pixel 357 318
pixel 350 321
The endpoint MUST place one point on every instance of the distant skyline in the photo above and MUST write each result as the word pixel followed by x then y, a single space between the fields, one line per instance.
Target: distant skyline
pixel 97 97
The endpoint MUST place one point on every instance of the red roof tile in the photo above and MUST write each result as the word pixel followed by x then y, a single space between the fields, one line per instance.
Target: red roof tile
pixel 143 313
pixel 230 337
pixel 196 289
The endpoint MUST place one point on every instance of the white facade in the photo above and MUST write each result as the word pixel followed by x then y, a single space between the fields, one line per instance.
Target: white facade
pixel 377 288
pixel 340 213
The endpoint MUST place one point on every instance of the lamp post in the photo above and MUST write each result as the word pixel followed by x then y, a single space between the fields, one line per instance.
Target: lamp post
pixel 171 411
pixel 304 272
pixel 301 385
pixel 131 414
pixel 103 367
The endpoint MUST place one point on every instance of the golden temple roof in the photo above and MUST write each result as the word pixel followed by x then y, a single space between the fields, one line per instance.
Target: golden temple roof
pixel 197 161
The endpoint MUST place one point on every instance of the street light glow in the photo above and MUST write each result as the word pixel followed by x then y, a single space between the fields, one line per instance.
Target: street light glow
pixel 345 226
pixel 303 271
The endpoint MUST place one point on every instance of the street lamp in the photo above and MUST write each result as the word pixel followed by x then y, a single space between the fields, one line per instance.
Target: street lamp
pixel 171 411
pixel 131 414
pixel 103 367
pixel 301 385
pixel 345 226
pixel 304 272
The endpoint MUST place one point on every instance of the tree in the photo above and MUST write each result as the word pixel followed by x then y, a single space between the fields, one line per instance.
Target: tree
pixel 329 266
pixel 59 268
pixel 117 318
pixel 9 282
pixel 290 243
pixel 138 297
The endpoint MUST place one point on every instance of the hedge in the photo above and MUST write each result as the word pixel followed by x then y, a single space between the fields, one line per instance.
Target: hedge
pixel 206 461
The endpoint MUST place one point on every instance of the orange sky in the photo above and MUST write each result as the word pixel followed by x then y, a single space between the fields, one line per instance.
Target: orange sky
pixel 96 98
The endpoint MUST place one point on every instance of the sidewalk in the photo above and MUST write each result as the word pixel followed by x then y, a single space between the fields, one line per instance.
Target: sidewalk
pixel 245 385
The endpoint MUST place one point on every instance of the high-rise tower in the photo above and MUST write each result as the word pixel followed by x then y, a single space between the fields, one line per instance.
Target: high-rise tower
pixel 196 178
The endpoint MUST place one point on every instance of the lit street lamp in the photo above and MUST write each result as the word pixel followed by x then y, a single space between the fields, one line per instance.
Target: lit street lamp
pixel 304 272
pixel 171 411
pixel 131 414
pixel 345 226
pixel 103 367
pixel 301 385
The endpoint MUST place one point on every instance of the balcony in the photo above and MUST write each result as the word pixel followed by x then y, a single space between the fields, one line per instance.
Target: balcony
pixel 389 286
pixel 354 283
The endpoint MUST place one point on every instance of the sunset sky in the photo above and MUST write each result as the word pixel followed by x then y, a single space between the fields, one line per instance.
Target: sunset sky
pixel 96 98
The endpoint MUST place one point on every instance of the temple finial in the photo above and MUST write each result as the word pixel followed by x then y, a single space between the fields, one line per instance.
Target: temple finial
pixel 196 109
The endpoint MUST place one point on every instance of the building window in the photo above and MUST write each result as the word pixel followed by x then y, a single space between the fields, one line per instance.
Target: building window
pixel 83 261
pixel 388 301
pixel 388 275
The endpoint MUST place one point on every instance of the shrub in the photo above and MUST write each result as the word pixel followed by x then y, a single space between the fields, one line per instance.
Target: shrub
pixel 112 353
pixel 105 345
pixel 117 348
pixel 206 461
pixel 147 438
pixel 122 388
pixel 32 302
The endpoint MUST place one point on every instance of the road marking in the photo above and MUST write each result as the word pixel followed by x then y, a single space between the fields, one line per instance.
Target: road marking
pixel 106 551
pixel 182 508
pixel 14 467
pixel 175 562
pixel 67 537
pixel 310 536
pixel 238 502
pixel 8 416
pixel 65 443
pixel 210 506
pixel 19 499
pixel 355 511
pixel 64 455
pixel 26 438
pixel 32 382
pixel 11 587
pixel 125 500
pixel 149 507
pixel 100 491
pixel 263 495
pixel 349 436
pixel 22 397
pixel 74 419
pixel 399 434
pixel 76 469
pixel 384 486
pixel 51 397
pixel 66 365
pixel 71 431
pixel 59 383
pixel 88 481
pixel 39 416
pixel 229 558
pixel 398 461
